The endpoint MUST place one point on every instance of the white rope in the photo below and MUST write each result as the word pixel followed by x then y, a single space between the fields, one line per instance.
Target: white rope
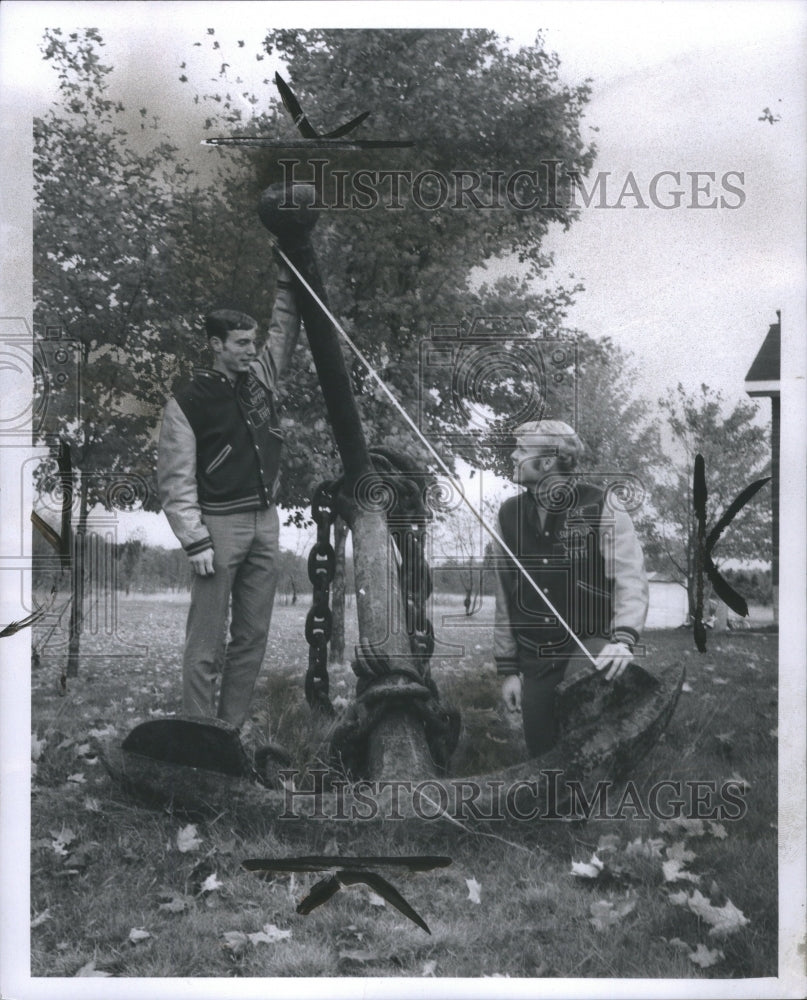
pixel 477 514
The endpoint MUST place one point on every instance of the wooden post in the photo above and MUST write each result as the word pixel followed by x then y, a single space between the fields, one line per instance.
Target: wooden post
pixel 289 215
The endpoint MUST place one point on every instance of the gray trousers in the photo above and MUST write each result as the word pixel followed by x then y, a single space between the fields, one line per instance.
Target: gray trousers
pixel 539 678
pixel 245 553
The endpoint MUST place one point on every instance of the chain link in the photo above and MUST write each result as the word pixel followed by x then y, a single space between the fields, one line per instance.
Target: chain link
pixel 319 620
pixel 416 587
pixel 409 536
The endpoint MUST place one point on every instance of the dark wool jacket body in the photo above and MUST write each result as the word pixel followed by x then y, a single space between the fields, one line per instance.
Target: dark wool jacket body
pixel 220 442
pixel 585 558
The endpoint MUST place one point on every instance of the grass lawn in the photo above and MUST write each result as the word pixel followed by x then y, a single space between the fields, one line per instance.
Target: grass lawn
pixel 120 890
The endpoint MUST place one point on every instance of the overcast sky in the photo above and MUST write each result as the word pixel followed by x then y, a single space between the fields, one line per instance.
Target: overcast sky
pixel 677 87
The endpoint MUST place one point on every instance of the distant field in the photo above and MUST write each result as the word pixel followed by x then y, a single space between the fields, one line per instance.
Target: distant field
pixel 114 893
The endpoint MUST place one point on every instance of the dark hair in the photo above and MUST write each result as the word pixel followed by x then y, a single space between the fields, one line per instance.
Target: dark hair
pixel 220 322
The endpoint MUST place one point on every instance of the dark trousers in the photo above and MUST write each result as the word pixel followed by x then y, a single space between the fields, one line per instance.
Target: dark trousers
pixel 540 675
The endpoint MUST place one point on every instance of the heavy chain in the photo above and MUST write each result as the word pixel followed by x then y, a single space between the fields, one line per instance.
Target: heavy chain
pixel 319 620
pixel 416 587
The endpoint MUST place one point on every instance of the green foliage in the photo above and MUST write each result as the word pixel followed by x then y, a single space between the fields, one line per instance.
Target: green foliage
pixel 395 273
pixel 103 239
pixel 736 451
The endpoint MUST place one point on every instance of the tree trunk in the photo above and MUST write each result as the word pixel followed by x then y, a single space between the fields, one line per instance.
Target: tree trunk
pixel 78 577
pixel 340 530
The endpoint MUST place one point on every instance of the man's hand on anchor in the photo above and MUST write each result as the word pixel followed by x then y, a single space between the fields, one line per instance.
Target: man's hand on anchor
pixel 614 657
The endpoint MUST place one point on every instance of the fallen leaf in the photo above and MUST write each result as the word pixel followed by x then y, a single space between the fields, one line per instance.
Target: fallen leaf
pixel 717 830
pixel 676 942
pixel 674 872
pixel 719 680
pixel 84 750
pixel 723 920
pixel 606 912
pixel 428 968
pixel 374 899
pixel 645 848
pixel 62 840
pixel 90 970
pixel 37 746
pixel 269 934
pixel 587 869
pixel 210 884
pixel 473 890
pixel 105 731
pixel 41 918
pixel 175 902
pixel 608 842
pixel 236 941
pixel 77 778
pixel 603 915
pixel 679 852
pixel 138 934
pixel 81 857
pixel 704 957
pixel 91 804
pixel 686 687
pixel 187 839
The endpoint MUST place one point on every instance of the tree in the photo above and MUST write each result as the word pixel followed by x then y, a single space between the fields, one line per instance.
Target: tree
pixel 396 273
pixel 113 277
pixel 463 545
pixel 735 451
pixel 131 247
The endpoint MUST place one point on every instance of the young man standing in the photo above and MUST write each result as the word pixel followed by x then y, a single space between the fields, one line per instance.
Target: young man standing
pixel 218 474
pixel 583 554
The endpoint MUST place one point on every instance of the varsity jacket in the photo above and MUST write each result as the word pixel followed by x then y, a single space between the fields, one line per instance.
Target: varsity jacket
pixel 585 558
pixel 219 450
